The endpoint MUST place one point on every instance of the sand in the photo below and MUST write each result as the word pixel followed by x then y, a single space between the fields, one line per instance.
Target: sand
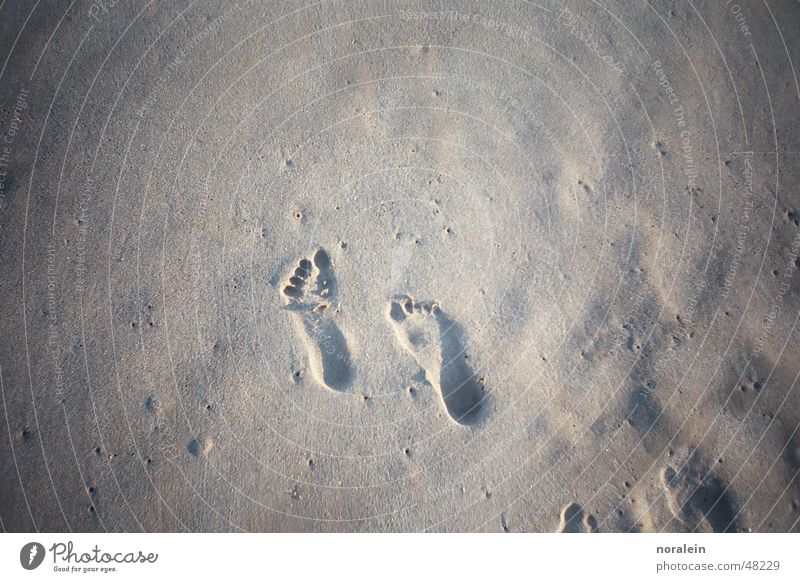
pixel 399 266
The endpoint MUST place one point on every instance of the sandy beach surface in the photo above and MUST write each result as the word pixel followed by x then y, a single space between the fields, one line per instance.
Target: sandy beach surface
pixel 519 266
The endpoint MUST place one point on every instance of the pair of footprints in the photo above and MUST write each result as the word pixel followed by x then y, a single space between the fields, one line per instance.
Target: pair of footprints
pixel 422 329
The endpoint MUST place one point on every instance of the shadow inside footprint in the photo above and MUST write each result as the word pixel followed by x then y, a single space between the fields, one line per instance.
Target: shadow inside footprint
pixel 312 295
pixel 334 366
pixel 437 344
pixel 573 520
pixel 699 499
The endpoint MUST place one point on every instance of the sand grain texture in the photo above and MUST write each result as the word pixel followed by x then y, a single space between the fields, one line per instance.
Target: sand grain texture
pixel 400 266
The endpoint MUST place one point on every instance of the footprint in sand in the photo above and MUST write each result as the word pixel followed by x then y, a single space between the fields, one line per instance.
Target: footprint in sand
pixel 573 520
pixel 311 296
pixel 698 499
pixel 437 346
